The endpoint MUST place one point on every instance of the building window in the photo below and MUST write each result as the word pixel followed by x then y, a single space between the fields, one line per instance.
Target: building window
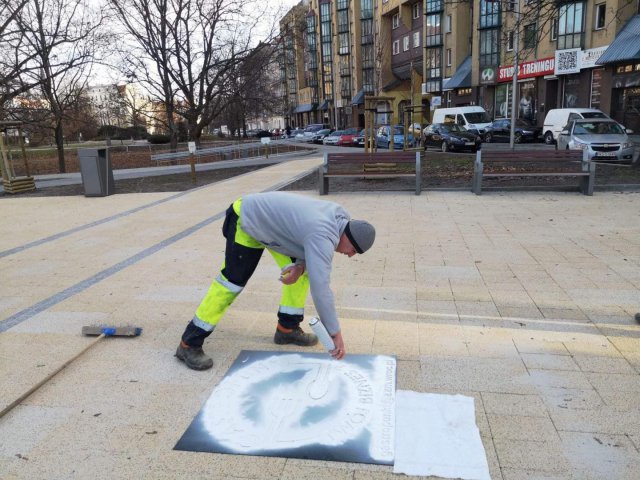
pixel 366 9
pixel 448 57
pixel 416 39
pixel 448 24
pixel 600 15
pixel 405 43
pixel 530 35
pixel 489 48
pixel 366 31
pixel 327 54
pixel 343 21
pixel 433 62
pixel 510 6
pixel 396 47
pixel 395 21
pixel 416 10
pixel 554 29
pixel 434 33
pixel 434 6
pixel 343 44
pixel 368 76
pixel 345 87
pixel 571 25
pixel 510 41
pixel 489 14
pixel 367 56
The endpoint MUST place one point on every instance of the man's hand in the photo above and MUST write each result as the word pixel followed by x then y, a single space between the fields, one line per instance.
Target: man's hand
pixel 291 273
pixel 339 352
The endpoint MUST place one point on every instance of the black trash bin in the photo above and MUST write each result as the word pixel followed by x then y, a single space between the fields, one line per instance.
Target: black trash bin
pixel 96 172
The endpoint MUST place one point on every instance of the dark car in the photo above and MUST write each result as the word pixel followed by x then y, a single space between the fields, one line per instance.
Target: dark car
pixel 500 131
pixel 263 133
pixel 358 140
pixel 450 137
pixel 320 134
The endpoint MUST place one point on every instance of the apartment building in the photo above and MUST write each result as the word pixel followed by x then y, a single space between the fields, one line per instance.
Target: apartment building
pixel 412 56
pixel 328 62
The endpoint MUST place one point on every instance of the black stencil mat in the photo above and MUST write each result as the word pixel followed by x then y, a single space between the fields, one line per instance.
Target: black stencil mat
pixel 300 405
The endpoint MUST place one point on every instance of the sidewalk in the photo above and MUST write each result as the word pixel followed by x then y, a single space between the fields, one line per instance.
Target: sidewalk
pixel 74 178
pixel 523 300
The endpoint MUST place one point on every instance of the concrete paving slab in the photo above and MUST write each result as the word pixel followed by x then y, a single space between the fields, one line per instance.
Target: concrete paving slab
pixel 522 299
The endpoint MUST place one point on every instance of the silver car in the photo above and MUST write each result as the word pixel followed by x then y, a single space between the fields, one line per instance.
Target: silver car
pixel 604 139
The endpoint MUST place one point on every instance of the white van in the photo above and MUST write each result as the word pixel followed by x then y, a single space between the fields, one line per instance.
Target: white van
pixel 474 119
pixel 558 118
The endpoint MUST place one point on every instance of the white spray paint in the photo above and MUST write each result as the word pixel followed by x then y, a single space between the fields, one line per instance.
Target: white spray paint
pixel 321 331
pixel 329 403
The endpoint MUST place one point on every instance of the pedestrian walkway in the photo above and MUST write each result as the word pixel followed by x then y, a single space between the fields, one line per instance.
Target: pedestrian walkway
pixel 75 178
pixel 522 300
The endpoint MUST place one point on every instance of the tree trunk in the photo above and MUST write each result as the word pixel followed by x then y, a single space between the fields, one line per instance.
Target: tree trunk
pixel 59 136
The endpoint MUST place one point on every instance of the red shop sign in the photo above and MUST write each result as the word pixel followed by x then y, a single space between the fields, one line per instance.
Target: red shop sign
pixel 536 68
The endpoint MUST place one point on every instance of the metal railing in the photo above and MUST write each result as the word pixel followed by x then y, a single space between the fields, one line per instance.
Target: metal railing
pixel 230 152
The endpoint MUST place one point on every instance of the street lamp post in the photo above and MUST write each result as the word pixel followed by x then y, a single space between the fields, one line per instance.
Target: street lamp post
pixel 516 50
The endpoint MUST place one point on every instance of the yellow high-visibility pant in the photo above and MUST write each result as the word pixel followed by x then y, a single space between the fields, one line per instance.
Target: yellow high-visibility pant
pixel 242 256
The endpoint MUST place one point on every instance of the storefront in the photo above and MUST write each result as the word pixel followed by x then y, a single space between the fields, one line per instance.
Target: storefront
pixel 530 90
pixel 621 77
pixel 582 82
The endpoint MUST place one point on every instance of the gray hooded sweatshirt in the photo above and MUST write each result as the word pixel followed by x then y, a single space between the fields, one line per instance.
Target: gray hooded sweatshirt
pixel 303 228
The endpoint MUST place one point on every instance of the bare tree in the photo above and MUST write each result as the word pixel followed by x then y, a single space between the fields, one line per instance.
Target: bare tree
pixel 185 52
pixel 56 42
pixel 14 61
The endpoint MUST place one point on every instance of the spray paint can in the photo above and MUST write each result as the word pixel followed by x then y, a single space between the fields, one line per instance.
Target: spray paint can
pixel 321 331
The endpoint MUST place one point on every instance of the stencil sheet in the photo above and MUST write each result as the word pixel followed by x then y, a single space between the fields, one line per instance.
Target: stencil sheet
pixel 300 405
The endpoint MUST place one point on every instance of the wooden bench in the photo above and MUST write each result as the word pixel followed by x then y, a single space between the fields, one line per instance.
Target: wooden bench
pixel 370 165
pixel 538 163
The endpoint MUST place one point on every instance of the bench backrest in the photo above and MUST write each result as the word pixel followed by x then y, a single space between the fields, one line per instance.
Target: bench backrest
pixel 536 156
pixel 371 157
pixel 405 162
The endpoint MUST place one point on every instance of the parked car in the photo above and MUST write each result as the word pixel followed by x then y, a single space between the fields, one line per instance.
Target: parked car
pixel 297 134
pixel 558 118
pixel 384 139
pixel 450 137
pixel 311 129
pixel 604 139
pixel 415 129
pixel 332 138
pixel 346 139
pixel 358 140
pixel 262 133
pixel 500 131
pixel 320 135
pixel 473 118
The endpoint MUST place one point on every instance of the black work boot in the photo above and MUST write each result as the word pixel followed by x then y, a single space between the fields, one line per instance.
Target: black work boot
pixel 295 336
pixel 193 357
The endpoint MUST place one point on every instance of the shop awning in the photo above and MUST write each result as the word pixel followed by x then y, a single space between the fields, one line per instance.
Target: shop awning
pixel 462 77
pixel 358 99
pixel 403 72
pixel 324 105
pixel 626 46
pixel 391 85
pixel 307 107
